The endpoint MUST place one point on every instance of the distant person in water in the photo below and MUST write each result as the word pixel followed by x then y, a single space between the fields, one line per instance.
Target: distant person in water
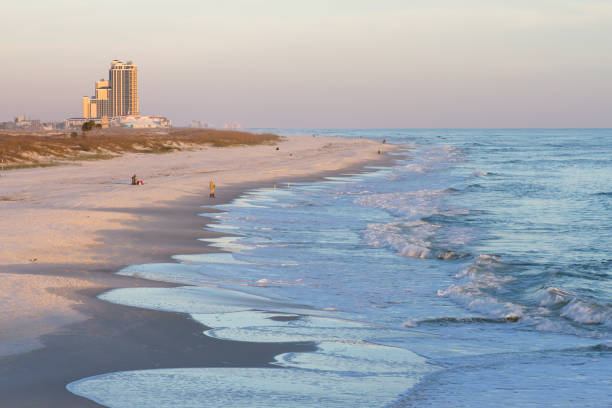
pixel 212 189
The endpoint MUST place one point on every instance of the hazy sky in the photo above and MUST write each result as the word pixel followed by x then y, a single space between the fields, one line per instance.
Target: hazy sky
pixel 315 63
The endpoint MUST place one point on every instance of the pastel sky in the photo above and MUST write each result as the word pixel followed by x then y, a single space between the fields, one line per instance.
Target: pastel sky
pixel 315 63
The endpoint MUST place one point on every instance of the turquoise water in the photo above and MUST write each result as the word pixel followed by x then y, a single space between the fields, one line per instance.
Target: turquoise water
pixel 475 271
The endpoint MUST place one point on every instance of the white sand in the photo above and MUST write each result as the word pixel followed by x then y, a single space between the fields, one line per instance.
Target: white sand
pixel 53 215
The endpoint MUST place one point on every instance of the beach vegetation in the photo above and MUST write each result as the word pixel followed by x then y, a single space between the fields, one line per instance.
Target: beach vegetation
pixel 89 125
pixel 36 149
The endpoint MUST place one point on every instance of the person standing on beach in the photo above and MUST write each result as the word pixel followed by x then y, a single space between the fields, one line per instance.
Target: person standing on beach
pixel 212 189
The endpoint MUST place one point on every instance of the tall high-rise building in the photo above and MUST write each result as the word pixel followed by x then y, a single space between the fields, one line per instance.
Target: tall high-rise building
pixel 123 80
pixel 115 97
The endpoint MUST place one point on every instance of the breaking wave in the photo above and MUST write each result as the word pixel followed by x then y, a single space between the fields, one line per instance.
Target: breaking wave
pixel 409 239
pixel 476 283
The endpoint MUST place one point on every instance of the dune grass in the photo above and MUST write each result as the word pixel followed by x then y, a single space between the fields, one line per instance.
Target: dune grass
pixel 29 149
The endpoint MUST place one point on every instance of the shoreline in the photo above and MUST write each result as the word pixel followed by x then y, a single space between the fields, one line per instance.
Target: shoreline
pixel 112 338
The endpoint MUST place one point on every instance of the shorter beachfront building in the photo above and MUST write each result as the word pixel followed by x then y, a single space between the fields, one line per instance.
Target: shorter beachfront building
pixel 132 122
pixel 142 122
pixel 76 123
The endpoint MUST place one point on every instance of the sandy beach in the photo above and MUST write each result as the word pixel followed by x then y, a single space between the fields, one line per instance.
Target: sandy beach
pixel 66 229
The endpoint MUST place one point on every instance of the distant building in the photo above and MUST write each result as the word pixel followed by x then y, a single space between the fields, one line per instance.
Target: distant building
pixel 115 97
pixel 123 80
pixel 115 103
pixel 232 125
pixel 76 123
pixel 141 122
pixel 21 122
pixel 199 124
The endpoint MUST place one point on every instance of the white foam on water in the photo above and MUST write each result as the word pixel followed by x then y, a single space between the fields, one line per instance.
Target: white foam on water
pixel 197 300
pixel 220 226
pixel 408 239
pixel 417 167
pixel 224 258
pixel 247 318
pixel 476 280
pixel 554 296
pixel 362 192
pixel 165 272
pixel 240 387
pixel 185 274
pixel 340 347
pixel 489 258
pixel 587 313
pixel 412 251
pixel 478 302
pixel 188 299
pixel 411 205
pixel 346 370
pixel 265 281
pixel 283 334
pixel 246 201
pixel 293 325
pixel 229 244
pixel 265 318
pixel 441 155
pixel 573 308
pixel 365 358
pixel 415 239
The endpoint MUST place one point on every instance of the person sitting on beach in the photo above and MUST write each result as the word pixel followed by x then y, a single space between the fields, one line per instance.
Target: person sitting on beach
pixel 136 181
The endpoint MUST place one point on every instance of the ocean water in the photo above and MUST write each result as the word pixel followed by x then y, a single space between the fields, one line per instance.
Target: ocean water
pixel 476 271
